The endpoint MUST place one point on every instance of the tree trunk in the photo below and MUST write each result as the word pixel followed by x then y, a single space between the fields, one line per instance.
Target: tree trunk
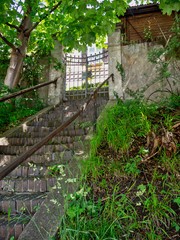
pixel 14 69
pixel 18 55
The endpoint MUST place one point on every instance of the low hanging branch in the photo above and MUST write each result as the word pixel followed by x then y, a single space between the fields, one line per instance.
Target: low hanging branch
pixel 7 42
pixel 13 26
pixel 42 18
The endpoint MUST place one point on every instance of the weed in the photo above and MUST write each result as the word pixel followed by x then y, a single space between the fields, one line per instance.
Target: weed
pixel 132 166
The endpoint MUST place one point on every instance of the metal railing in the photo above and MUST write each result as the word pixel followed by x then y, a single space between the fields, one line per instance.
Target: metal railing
pixel 14 95
pixel 17 161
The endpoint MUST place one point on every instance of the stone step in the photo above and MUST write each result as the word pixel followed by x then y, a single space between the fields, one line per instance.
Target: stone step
pixel 15 150
pixel 21 203
pixel 34 171
pixel 32 141
pixel 43 132
pixel 61 114
pixel 46 123
pixel 26 187
pixel 13 226
pixel 31 185
pixel 54 123
pixel 45 159
pixel 29 171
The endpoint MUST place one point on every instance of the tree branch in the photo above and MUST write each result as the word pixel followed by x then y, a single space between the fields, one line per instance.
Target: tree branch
pixel 42 18
pixel 7 42
pixel 13 26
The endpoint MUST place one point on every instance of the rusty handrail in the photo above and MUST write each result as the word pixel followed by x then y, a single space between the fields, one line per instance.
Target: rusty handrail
pixel 17 161
pixel 13 95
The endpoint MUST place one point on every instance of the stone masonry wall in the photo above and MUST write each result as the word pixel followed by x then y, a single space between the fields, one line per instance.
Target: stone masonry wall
pixel 114 56
pixel 51 93
pixel 138 70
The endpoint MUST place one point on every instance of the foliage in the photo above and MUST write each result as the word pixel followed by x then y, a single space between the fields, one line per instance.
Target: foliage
pixel 120 68
pixel 17 109
pixel 65 22
pixel 32 70
pixel 31 28
pixel 4 61
pixel 169 5
pixel 121 124
pixel 148 32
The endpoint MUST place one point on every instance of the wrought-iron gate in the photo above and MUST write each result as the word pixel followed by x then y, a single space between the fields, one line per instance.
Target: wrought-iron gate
pixel 84 74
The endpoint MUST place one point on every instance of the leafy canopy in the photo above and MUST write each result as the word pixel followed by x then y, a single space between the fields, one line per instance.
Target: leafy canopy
pixel 169 5
pixel 75 23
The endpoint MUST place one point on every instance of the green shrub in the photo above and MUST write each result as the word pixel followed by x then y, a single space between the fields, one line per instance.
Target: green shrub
pixel 13 111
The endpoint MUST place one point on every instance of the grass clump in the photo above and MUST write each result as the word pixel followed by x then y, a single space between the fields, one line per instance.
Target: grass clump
pixel 131 177
pixel 121 124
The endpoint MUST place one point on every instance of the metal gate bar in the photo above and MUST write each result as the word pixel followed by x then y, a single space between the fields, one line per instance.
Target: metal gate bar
pixel 84 74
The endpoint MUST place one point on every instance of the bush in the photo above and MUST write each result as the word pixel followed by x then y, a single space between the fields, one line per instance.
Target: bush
pixel 15 110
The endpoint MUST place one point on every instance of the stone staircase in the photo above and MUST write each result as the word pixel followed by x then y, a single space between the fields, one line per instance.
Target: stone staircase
pixel 26 187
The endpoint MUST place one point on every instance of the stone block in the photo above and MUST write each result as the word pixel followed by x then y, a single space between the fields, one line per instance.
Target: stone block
pixel 25 172
pixel 18 230
pixel 6 206
pixel 43 186
pixel 37 185
pixel 19 172
pixel 31 185
pixel 25 185
pixel 19 186
pixel 3 231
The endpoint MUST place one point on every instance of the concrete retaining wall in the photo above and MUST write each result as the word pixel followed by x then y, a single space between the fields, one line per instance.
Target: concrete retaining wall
pixel 139 72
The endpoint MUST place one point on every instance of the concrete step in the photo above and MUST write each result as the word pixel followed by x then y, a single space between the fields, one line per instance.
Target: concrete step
pixel 15 150
pixel 13 226
pixel 21 203
pixel 28 171
pixel 32 141
pixel 43 132
pixel 62 113
pixel 45 159
pixel 28 185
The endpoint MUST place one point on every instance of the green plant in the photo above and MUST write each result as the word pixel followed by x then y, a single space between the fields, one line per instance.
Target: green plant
pixel 121 123
pixel 18 109
pixel 166 58
pixel 148 32
pixel 56 170
pixel 120 68
pixel 132 166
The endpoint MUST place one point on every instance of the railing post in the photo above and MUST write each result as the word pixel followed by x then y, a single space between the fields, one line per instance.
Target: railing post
pixel 65 74
pixel 86 85
pixel 95 113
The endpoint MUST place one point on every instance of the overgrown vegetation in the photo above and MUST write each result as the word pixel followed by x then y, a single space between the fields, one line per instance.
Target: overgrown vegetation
pixel 15 110
pixel 131 187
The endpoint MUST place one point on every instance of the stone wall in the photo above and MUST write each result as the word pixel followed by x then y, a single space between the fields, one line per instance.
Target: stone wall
pixel 51 93
pixel 139 72
pixel 114 56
